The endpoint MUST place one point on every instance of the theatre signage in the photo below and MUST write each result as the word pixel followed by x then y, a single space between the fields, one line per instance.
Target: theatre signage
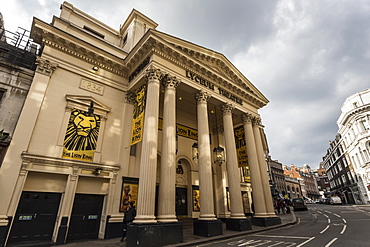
pixel 198 79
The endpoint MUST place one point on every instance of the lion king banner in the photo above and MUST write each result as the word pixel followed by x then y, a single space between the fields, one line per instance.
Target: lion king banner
pixel 138 116
pixel 81 136
pixel 241 149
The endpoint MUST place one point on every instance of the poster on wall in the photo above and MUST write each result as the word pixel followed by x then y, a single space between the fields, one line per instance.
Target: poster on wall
pixel 138 115
pixel 81 135
pixel 196 198
pixel 228 198
pixel 129 193
pixel 241 149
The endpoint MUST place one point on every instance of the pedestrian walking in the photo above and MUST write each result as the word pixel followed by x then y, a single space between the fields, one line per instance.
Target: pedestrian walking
pixel 128 219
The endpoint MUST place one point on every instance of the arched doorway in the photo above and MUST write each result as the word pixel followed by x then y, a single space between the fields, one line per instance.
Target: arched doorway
pixel 182 184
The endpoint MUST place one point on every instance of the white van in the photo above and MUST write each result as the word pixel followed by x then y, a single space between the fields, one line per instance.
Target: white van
pixel 335 200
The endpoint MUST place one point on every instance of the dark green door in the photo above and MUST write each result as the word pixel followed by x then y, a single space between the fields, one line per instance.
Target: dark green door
pixel 35 217
pixel 181 202
pixel 85 218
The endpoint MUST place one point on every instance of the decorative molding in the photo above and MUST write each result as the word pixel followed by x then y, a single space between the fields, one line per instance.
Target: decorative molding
pixel 211 68
pixel 170 81
pixel 188 61
pixel 256 121
pixel 73 49
pixel 247 118
pixel 219 129
pixel 227 108
pixel 74 164
pixel 83 102
pixel 45 67
pixel 130 98
pixel 153 74
pixel 202 97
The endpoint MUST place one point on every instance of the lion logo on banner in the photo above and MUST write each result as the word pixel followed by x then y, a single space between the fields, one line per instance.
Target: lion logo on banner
pixel 82 132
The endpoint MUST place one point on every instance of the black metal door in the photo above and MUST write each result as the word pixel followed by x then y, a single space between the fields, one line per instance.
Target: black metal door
pixel 85 218
pixel 35 217
pixel 181 202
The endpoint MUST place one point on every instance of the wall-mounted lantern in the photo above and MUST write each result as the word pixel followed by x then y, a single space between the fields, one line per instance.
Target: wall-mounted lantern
pixel 218 155
pixel 195 151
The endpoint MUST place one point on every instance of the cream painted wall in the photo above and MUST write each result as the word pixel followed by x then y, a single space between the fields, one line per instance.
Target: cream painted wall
pixel 66 80
pixel 45 182
pixel 88 185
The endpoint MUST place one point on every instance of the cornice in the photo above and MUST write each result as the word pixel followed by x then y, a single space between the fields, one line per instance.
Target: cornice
pixel 45 160
pixel 87 54
pixel 354 112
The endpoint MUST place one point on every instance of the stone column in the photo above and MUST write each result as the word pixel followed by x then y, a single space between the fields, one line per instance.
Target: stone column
pixel 167 186
pixel 237 221
pixel 263 167
pixel 207 224
pixel 232 164
pixel 148 162
pixel 257 190
pixel 204 160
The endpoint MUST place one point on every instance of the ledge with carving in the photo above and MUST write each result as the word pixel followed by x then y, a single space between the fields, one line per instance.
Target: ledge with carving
pixel 62 162
pixel 49 35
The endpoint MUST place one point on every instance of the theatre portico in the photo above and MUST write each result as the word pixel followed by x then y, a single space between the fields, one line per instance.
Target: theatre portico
pixel 133 115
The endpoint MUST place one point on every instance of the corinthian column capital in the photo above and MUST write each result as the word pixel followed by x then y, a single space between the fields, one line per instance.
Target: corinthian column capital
pixel 202 97
pixel 170 81
pixel 130 98
pixel 227 108
pixel 45 67
pixel 256 121
pixel 247 118
pixel 153 74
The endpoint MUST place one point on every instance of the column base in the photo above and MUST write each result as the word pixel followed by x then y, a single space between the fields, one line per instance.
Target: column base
pixel 266 221
pixel 207 228
pixel 153 235
pixel 238 224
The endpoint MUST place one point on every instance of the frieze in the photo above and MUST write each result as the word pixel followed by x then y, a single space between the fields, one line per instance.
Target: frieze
pixel 82 53
pixel 45 67
pixel 47 161
pixel 200 80
pixel 139 69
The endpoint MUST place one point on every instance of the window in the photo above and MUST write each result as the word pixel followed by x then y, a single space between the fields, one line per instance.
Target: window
pixel 340 166
pixel 94 32
pixel 364 124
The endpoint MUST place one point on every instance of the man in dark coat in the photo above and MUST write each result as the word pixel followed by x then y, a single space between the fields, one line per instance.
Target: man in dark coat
pixel 128 218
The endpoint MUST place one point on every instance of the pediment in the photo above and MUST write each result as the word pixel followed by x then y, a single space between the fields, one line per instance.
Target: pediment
pixel 84 102
pixel 213 64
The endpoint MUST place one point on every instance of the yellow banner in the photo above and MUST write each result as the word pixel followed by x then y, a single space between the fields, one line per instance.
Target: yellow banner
pixel 241 149
pixel 81 136
pixel 138 116
pixel 182 130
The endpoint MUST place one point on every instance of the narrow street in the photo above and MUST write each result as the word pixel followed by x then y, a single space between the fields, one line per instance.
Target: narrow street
pixel 321 225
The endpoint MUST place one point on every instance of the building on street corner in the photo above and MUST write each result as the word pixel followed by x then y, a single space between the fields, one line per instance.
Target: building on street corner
pixel 132 115
pixel 354 130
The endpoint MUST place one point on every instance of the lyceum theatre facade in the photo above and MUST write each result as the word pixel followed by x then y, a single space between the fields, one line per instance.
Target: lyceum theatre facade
pixel 132 115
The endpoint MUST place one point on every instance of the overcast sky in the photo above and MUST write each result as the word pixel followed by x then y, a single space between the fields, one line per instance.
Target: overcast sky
pixel 306 57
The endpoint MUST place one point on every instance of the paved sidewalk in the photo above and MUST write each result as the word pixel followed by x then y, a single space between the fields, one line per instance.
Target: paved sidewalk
pixel 189 238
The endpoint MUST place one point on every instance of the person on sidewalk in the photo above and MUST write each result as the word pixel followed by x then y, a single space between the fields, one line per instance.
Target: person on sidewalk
pixel 128 218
